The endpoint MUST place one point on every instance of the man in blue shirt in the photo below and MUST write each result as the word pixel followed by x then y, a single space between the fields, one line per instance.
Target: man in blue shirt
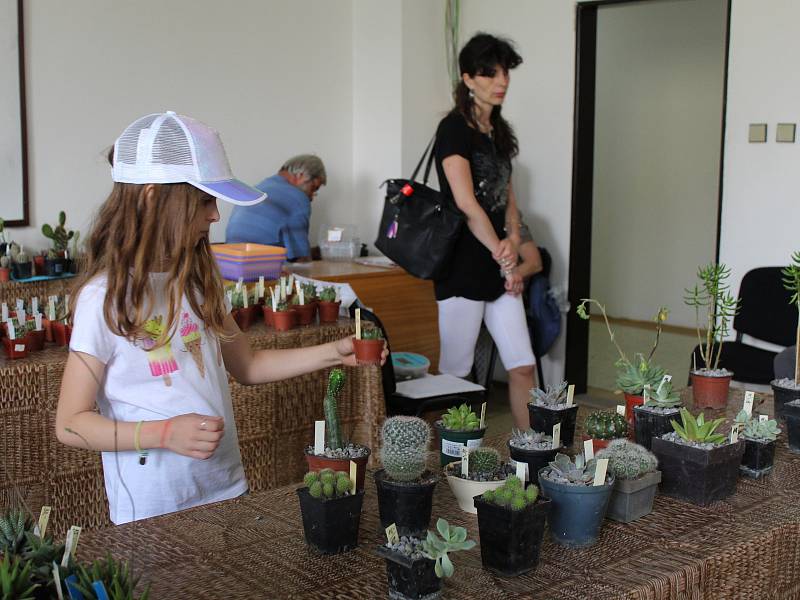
pixel 283 218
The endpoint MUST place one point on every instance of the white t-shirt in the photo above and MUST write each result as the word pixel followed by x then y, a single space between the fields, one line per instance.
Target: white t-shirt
pixel 185 376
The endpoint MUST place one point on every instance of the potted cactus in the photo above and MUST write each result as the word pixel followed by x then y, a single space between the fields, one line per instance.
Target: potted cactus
pixel 716 307
pixel 15 346
pixel 533 448
pixel 21 265
pixel 459 427
pixel 415 567
pixel 697 463
pixel 511 522
pixel 245 309
pixel 5 268
pixel 58 234
pixel 283 318
pixel 548 407
pixel 328 305
pixel 636 478
pixel 304 312
pixel 331 513
pixel 578 507
pixel 369 347
pixel 404 485
pixel 485 472
pixel 604 426
pixel 338 452
pixel 759 444
pixel 788 389
pixel 791 415
pixel 116 577
pixel 654 417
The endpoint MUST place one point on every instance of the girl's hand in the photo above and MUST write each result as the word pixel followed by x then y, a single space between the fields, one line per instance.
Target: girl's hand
pixel 506 254
pixel 193 435
pixel 344 347
pixel 514 283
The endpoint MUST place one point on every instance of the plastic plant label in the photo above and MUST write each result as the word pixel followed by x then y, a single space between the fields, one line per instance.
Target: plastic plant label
pixel 100 590
pixel 600 471
pixel 20 305
pixel 260 286
pixel 588 450
pixel 19 347
pixel 621 409
pixel 301 294
pixel 71 545
pixel 338 296
pixel 472 444
pixel 229 296
pixel 570 394
pixel 556 435
pixel 51 309
pixel 34 305
pixel 522 469
pixel 335 234
pixel 37 321
pixel 452 448
pixel 735 432
pixel 358 323
pixel 319 437
pixel 71 583
pixel 464 461
pixel 4 312
pixel 57 581
pixel 392 535
pixel 244 296
pixel 646 392
pixel 763 418
pixel 274 300
pixel 664 380
pixel 239 284
pixel 44 517
pixel 353 476
pixel 21 316
pixel 12 333
pixel 290 283
pixel 283 289
pixel 483 415
pixel 749 397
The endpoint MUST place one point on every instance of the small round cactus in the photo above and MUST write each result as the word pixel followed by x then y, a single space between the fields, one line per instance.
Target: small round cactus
pixel 606 425
pixel 327 484
pixel 310 478
pixel 512 494
pixel 483 461
pixel 404 447
pixel 628 460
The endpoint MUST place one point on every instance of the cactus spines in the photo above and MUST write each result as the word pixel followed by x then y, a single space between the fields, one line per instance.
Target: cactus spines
pixel 483 461
pixel 628 460
pixel 606 425
pixel 59 235
pixel 512 494
pixel 333 431
pixel 404 447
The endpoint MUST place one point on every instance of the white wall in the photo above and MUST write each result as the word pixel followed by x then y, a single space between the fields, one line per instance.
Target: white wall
pixel 658 125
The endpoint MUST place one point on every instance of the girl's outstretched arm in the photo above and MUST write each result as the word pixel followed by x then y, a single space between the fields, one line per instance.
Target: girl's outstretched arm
pixel 79 424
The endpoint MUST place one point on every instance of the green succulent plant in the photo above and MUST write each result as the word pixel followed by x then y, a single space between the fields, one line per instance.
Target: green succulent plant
pixel 371 333
pixel 461 418
pixel 552 396
pixel 606 425
pixel 632 377
pixel 333 430
pixel 15 579
pixel 697 429
pixel 755 429
pixel 13 525
pixel 579 471
pixel 483 460
pixel 791 281
pixel 117 578
pixel 327 484
pixel 527 438
pixel 512 494
pixel 628 460
pixel 404 447
pixel 282 306
pixel 309 291
pixel 237 296
pixel 664 396
pixel 453 539
pixel 328 294
pixel 58 234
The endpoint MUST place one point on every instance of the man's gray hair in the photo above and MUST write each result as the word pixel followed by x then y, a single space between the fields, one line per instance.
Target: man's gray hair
pixel 308 164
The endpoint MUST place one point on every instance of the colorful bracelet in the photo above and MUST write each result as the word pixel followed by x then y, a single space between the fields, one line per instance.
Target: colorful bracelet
pixel 142 453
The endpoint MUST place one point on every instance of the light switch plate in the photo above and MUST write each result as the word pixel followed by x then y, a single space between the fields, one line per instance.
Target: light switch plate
pixel 757 133
pixel 784 132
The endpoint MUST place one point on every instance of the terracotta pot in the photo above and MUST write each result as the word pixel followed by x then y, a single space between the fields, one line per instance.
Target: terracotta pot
pixel 597 444
pixel 35 340
pixel 38 265
pixel 267 310
pixel 61 333
pixel 368 352
pixel 243 317
pixel 15 348
pixel 47 325
pixel 329 312
pixel 304 313
pixel 631 401
pixel 283 320
pixel 710 392
pixel 5 274
pixel 317 463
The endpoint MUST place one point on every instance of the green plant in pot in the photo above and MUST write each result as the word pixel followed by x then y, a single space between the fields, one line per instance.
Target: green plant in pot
pixel 535 448
pixel 787 389
pixel 404 484
pixel 485 471
pixel 654 417
pixel 331 512
pixel 604 426
pixel 698 463
pixel 305 307
pixel 244 304
pixel 5 268
pixel 21 264
pixel 116 576
pixel 715 307
pixel 459 427
pixel 15 579
pixel 283 318
pixel 578 506
pixel 338 452
pixel 636 478
pixel 759 436
pixel 368 346
pixel 415 567
pixel 328 305
pixel 549 407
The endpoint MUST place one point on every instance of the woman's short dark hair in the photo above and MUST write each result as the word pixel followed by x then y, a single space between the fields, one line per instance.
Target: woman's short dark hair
pixel 481 55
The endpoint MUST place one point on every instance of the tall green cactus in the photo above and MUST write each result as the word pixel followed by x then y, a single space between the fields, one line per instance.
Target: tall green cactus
pixel 59 235
pixel 333 431
pixel 404 447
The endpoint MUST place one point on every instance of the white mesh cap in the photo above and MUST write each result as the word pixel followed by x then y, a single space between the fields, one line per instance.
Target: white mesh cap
pixel 170 148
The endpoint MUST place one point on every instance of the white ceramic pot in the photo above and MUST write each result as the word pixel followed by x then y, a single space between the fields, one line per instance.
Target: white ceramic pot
pixel 465 490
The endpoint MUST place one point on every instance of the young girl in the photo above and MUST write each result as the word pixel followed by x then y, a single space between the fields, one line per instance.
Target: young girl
pixel 152 335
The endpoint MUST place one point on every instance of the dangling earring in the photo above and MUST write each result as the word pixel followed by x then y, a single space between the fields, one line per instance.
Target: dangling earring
pixel 472 93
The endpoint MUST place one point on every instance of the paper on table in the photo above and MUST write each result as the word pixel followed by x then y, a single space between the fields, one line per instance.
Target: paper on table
pixel 435 385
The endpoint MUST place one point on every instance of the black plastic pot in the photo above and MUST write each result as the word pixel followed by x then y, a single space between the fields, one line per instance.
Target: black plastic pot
pixel 331 526
pixel 55 267
pixel 511 539
pixel 651 424
pixel 792 416
pixel 780 396
pixel 758 458
pixel 543 419
pixel 536 459
pixel 633 498
pixel 451 442
pixel 407 505
pixel 410 579
pixel 697 475
pixel 22 270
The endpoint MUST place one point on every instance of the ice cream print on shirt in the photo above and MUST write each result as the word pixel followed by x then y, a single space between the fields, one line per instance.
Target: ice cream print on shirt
pixel 190 336
pixel 161 361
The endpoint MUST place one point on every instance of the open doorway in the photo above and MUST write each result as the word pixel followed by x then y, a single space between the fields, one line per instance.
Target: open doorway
pixel 649 127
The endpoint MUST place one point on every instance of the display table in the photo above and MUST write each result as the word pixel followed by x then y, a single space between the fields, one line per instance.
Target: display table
pixel 747 546
pixel 275 422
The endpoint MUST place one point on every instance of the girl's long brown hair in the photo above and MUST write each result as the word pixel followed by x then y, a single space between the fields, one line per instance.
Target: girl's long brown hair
pixel 135 233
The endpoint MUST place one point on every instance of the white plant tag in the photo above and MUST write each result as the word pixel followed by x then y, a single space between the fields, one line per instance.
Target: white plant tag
pixel 464 461
pixel 12 333
pixel 57 581
pixel 621 409
pixel 244 296
pixel 353 476
pixel 749 397
pixel 290 284
pixel 260 286
pixel 358 323
pixel 335 234
pixel 274 300
pixel 51 309
pixel 44 517
pixel 600 471
pixel 664 380
pixel 735 432
pixel 34 305
pixel 4 309
pixel 646 392
pixel 319 437
pixel 229 295
pixel 239 284
pixel 570 394
pixel 451 448
pixel 556 435
pixel 338 295
pixel 283 289
pixel 763 418
pixel 588 450
pixel 20 305
pixel 37 320
pixel 522 469
pixel 483 415
pixel 19 347
pixel 300 292
pixel 71 545
pixel 22 316
pixel 391 534
pixel 66 302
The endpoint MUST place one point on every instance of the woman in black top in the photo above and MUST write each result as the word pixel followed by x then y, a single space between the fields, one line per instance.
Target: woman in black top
pixel 474 148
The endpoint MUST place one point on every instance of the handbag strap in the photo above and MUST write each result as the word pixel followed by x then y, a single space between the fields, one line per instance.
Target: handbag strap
pixel 429 153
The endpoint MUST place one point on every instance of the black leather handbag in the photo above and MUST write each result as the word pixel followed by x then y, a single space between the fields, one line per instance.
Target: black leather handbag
pixel 420 225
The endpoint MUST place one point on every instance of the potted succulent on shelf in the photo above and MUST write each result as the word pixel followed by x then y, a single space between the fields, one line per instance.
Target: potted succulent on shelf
pixel 533 448
pixel 713 300
pixel 415 568
pixel 698 464
pixel 759 444
pixel 328 305
pixel 60 238
pixel 459 427
pixel 603 426
pixel 331 513
pixel 337 453
pixel 485 471
pixel 549 407
pixel 404 485
pixel 654 417
pixel 636 477
pixel 21 264
pixel 787 389
pixel 369 347
pixel 511 524
pixel 578 507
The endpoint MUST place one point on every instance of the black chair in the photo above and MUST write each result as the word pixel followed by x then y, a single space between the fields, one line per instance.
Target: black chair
pixel 766 315
pixel 482 371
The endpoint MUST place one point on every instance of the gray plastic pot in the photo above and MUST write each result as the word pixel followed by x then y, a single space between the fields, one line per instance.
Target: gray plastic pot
pixel 633 498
